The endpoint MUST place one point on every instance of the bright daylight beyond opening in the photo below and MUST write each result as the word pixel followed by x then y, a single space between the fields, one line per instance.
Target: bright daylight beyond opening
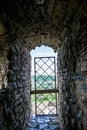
pixel 44 96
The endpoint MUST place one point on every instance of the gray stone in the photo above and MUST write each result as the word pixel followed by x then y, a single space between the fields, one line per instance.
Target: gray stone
pixel 78 77
pixel 45 122
pixel 12 85
pixel 83 86
pixel 60 24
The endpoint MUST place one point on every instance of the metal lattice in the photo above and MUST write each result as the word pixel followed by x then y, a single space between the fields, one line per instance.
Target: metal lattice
pixel 45 85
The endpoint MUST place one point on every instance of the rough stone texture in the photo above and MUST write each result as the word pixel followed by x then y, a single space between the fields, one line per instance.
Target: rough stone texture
pixel 3 104
pixel 81 89
pixel 39 24
pixel 4 62
pixel 61 25
pixel 18 109
pixel 44 122
pixel 3 71
pixel 70 111
pixel 66 95
pixel 17 106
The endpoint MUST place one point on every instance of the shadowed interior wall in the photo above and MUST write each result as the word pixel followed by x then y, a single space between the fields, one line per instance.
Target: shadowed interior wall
pixel 18 108
pixel 62 27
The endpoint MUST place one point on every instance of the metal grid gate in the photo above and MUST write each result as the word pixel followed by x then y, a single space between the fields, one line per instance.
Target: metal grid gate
pixel 45 90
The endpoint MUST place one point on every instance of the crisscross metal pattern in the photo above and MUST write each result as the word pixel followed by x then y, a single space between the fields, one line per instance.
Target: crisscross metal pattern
pixel 45 85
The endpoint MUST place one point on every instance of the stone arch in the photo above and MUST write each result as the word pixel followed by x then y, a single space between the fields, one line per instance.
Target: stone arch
pixel 32 40
pixel 68 18
pixel 46 45
pixel 44 71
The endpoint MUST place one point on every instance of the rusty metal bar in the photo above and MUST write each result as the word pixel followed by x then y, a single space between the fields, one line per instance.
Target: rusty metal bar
pixel 44 91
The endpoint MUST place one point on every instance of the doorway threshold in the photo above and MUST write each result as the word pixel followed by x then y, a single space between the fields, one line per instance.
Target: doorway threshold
pixel 44 122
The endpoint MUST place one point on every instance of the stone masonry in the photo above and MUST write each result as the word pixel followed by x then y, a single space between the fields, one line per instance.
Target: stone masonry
pixel 61 25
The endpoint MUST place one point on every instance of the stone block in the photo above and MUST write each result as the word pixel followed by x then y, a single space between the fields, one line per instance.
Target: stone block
pixel 83 86
pixel 78 77
pixel 1 113
pixel 84 65
pixel 12 86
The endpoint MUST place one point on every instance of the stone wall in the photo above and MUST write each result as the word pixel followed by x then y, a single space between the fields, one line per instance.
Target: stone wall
pixel 3 104
pixel 19 79
pixel 70 36
pixel 67 108
pixel 81 89
pixel 71 92
pixel 70 96
pixel 4 62
pixel 3 72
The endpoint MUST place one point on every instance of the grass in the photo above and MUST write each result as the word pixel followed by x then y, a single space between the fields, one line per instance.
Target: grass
pixel 44 83
pixel 44 97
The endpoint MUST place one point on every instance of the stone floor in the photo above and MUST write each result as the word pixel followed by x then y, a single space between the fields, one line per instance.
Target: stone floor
pixel 46 122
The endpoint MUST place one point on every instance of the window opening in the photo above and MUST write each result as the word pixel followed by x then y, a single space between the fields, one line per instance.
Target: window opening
pixel 44 89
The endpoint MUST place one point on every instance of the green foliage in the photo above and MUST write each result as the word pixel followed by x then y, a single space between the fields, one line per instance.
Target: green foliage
pixel 44 97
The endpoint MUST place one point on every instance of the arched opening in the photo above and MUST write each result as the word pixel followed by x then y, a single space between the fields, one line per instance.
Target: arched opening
pixel 54 23
pixel 44 88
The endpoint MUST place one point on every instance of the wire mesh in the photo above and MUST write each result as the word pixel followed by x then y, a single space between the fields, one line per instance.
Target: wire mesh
pixel 45 80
